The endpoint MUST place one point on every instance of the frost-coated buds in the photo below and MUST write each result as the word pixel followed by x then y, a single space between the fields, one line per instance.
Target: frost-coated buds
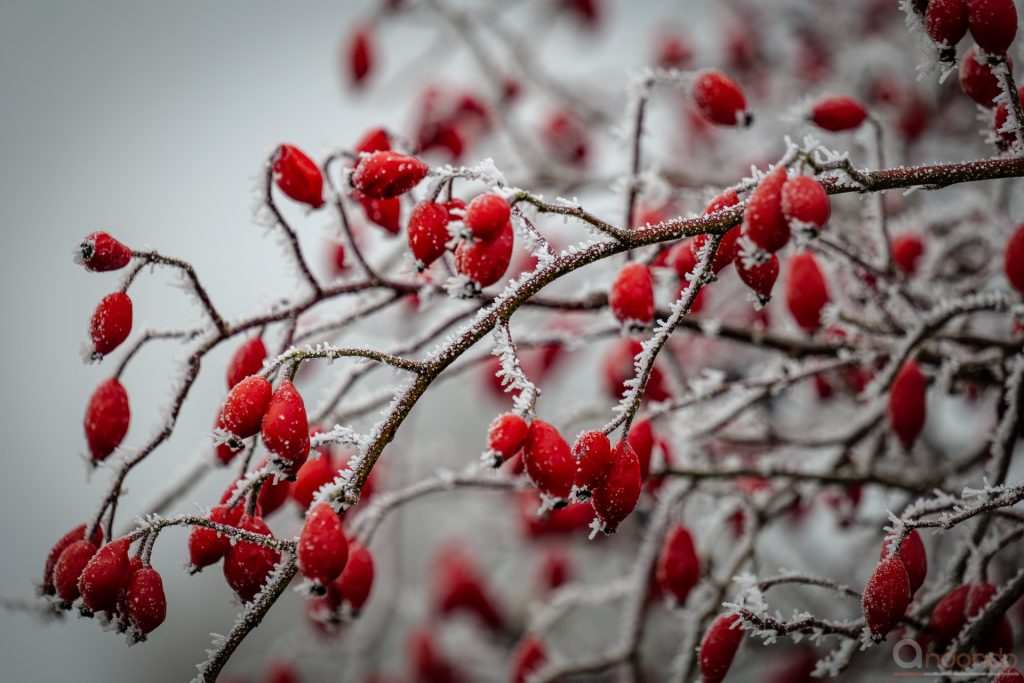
pixel 323 548
pixel 806 291
pixel 428 232
pixel 105 576
pixel 907 250
pixel 298 176
pixel 993 24
pixel 805 203
pixel 248 360
pixel 383 175
pixel 285 430
pixel 506 435
pixel 1013 259
pixel 548 460
pixel 243 410
pixel 617 496
pixel 145 601
pixel 839 113
pixel 907 403
pixel 99 252
pixel 76 534
pixel 977 80
pixel 759 277
pixel 946 24
pixel 886 596
pixel 486 215
pixel 720 100
pixel 485 261
pixel 353 587
pixel 247 564
pixel 209 546
pixel 69 567
pixel 719 646
pixel 111 323
pixel 106 419
pixel 593 453
pixel 631 296
pixel 678 567
pixel 913 557
pixel 763 221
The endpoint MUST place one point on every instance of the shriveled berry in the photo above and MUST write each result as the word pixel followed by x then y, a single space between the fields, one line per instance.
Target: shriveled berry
pixel 69 567
pixel 839 113
pixel 428 232
pixel 247 360
pixel 243 409
pixel 678 568
pixel 383 175
pixel 354 585
pixel 914 558
pixel 105 576
pixel 806 291
pixel 247 565
pixel 992 23
pixel 485 261
pixel 719 647
pixel 593 453
pixel 507 434
pixel 145 601
pixel 1013 259
pixel 208 546
pixel 548 460
pixel 720 100
pixel 111 323
pixel 631 296
pixel 907 250
pixel 486 215
pixel 285 430
pixel 106 419
pixel 614 499
pixel 804 203
pixel 763 220
pixel 298 176
pixel 886 596
pixel 323 548
pixel 907 403
pixel 760 277
pixel 99 252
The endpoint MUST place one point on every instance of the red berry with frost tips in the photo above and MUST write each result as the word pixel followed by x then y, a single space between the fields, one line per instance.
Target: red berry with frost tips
pixel 641 438
pixel 977 80
pixel 678 567
pixel 456 209
pixel 460 588
pixel 760 278
pixel 485 261
pixel 99 252
pixel 1004 138
pixel 548 460
pixel 111 323
pixel 373 140
pixel 298 176
pixel 914 558
pixel 763 221
pixel 353 586
pixel 323 549
pixel 886 596
pixel 428 232
pixel 248 360
pixel 209 546
pixel 76 534
pixel 529 657
pixel 806 291
pixel 106 419
pixel 316 472
pixel 631 296
pixel 948 616
pixel 486 215
pixel 384 175
pixel 360 55
pixel 243 409
pixel 507 434
pixel 105 576
pixel 727 247
pixel 593 453
pixel 285 430
pixel 145 601
pixel 1013 259
pixel 1010 675
pixel 907 403
pixel 720 100
pixel 839 113
pixel 247 565
pixel 614 499
pixel 946 22
pixel 907 250
pixel 719 646
pixel 69 567
pixel 805 203
pixel 993 24
pixel 273 493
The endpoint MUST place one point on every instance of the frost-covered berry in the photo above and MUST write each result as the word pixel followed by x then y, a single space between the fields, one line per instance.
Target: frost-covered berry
pixel 993 24
pixel 247 360
pixel 384 213
pixel 323 548
pixel 678 568
pixel 907 250
pixel 485 261
pixel 428 232
pixel 111 323
pixel 243 409
pixel 145 601
pixel 69 567
pixel 618 369
pixel 1004 138
pixel 593 453
pixel 914 558
pixel 727 247
pixel 946 22
pixel 806 291
pixel 76 534
pixel 99 252
pixel 353 587
pixel 548 460
pixel 285 428
pixel 719 647
pixel 631 296
pixel 460 589
pixel 316 472
pixel 360 55
pixel 805 203
pixel 247 565
pixel 977 80
pixel 759 277
pixel 507 434
pixel 763 221
pixel 106 419
pixel 1013 259
pixel 528 658
pixel 839 113
pixel 616 497
pixel 641 438
pixel 907 403
pixel 486 215
pixel 886 596
pixel 105 576
pixel 383 175
pixel 208 546
pixel 720 100
pixel 298 176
